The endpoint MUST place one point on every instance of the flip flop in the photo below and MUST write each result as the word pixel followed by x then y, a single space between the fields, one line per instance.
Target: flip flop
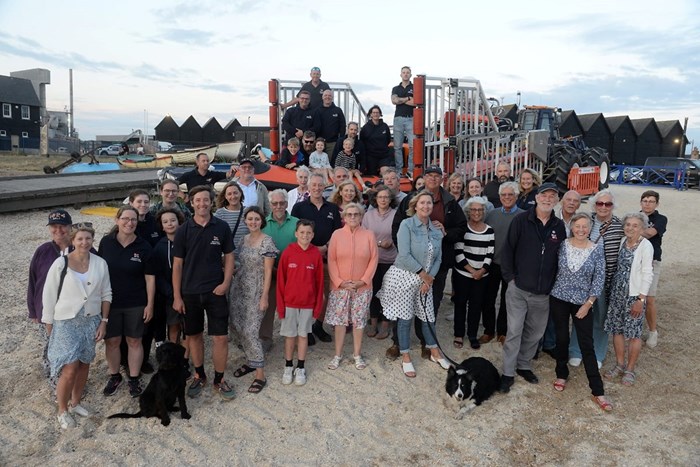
pixel 242 371
pixel 408 368
pixel 257 386
pixel 559 384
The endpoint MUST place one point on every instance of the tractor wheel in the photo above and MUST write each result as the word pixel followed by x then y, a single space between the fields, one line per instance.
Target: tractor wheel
pixel 563 159
pixel 597 157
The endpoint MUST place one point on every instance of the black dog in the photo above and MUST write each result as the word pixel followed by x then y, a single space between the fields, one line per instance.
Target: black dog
pixel 470 383
pixel 165 387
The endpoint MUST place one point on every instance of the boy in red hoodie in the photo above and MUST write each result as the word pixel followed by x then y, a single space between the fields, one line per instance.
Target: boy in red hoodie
pixel 299 298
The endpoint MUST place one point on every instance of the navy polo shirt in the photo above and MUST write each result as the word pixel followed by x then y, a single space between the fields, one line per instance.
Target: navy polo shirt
pixel 659 222
pixel 403 110
pixel 327 219
pixel 127 269
pixel 201 249
pixel 193 178
pixel 147 230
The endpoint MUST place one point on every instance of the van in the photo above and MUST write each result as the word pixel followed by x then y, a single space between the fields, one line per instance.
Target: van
pixel 164 146
pixel 666 170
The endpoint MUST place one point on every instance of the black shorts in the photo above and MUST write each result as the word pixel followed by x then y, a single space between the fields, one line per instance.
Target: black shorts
pixel 125 322
pixel 216 307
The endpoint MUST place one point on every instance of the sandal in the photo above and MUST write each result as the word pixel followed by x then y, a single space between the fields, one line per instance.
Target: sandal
pixel 360 363
pixel 257 386
pixel 242 371
pixel 615 371
pixel 408 369
pixel 559 384
pixel 602 403
pixel 371 331
pixel 629 378
pixel 382 334
pixel 458 344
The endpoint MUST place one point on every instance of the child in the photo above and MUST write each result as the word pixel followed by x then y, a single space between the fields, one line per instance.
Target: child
pixel 318 160
pixel 291 158
pixel 346 158
pixel 299 298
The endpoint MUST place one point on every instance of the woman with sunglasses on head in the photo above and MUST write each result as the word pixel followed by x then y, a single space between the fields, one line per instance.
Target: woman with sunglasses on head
pixel 133 293
pixel 607 229
pixel 76 309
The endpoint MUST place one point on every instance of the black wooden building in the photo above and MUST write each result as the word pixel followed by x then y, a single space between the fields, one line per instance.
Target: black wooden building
pixel 623 140
pixel 648 139
pixel 167 130
pixel 20 115
pixel 190 132
pixel 212 132
pixel 570 124
pixel 672 138
pixel 595 131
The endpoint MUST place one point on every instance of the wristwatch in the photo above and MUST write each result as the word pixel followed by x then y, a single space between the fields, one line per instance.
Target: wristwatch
pixel 643 300
pixel 379 243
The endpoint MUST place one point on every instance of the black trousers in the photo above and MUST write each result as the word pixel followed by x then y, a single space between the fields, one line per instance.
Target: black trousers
pixel 156 329
pixel 492 325
pixel 467 290
pixel 375 306
pixel 560 311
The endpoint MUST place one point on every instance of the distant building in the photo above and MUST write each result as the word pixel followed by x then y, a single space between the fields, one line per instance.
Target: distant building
pixel 623 140
pixel 648 139
pixel 20 115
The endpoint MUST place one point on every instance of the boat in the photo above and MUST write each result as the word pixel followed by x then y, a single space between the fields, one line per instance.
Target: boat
pixel 189 156
pixel 84 167
pixel 145 161
pixel 229 152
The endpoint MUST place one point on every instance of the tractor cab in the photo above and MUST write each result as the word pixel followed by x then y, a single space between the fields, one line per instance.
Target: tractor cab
pixel 536 117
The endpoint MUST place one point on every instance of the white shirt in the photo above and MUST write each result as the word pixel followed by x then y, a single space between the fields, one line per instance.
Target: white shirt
pixel 250 193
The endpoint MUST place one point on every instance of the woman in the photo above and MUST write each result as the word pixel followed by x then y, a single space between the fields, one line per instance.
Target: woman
pixel 229 202
pixel 376 136
pixel 455 186
pixel 76 298
pixel 578 285
pixel 44 256
pixel 473 256
pixel 248 295
pixel 607 229
pixel 301 192
pixel 418 184
pixel 475 188
pixel 133 293
pixel 528 183
pixel 146 227
pixel 352 261
pixel 628 293
pixel 379 220
pixel 346 193
pixel 406 290
pixel 169 191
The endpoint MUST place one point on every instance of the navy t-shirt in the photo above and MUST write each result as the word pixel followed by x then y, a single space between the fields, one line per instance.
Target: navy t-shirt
pixel 147 230
pixel 403 110
pixel 201 249
pixel 659 222
pixel 127 269
pixel 193 178
pixel 326 219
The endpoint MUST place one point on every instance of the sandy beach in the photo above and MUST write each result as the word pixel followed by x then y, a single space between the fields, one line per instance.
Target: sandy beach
pixel 376 416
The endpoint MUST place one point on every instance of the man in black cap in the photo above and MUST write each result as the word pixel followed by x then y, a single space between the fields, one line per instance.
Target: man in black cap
pixel 254 192
pixel 448 217
pixel 529 265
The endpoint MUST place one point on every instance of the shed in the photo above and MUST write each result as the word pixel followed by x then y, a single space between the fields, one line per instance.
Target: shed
pixel 191 132
pixel 595 130
pixel 672 139
pixel 648 139
pixel 622 140
pixel 212 132
pixel 167 130
pixel 570 124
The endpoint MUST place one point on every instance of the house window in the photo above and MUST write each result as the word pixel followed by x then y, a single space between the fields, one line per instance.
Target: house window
pixel 3 133
pixel 7 110
pixel 25 134
pixel 25 112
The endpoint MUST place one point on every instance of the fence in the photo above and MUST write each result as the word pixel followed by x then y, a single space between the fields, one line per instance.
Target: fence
pixel 679 178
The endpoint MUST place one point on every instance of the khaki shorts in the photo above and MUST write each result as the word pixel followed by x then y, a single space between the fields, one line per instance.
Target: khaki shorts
pixel 296 322
pixel 655 281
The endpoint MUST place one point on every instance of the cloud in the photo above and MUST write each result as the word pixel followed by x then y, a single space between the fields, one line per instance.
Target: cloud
pixel 197 37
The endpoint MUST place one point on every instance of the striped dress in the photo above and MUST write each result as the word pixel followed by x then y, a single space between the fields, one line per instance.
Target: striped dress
pixel 475 249
pixel 612 234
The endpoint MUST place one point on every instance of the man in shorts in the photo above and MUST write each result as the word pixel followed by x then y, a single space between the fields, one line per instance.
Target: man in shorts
pixel 200 285
pixel 654 233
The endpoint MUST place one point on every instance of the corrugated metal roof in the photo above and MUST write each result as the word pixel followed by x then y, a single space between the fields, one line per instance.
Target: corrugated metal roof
pixel 18 91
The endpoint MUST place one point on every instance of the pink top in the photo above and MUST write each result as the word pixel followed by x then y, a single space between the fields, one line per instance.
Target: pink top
pixel 352 256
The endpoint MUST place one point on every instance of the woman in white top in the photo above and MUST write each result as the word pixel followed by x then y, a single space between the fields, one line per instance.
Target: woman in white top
pixel 301 192
pixel 77 297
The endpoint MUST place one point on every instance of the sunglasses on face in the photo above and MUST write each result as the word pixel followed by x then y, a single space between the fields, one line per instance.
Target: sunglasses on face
pixel 607 204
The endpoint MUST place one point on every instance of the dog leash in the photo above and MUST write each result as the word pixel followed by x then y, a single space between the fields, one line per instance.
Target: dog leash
pixel 424 304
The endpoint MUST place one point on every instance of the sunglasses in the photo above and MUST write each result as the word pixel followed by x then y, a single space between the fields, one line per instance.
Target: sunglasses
pixel 81 225
pixel 607 204
pixel 278 203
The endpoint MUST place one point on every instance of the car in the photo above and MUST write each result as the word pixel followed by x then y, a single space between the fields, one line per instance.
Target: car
pixel 111 150
pixel 164 146
pixel 673 171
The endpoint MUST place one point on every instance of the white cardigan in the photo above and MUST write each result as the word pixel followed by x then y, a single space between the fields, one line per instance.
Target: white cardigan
pixel 74 294
pixel 641 273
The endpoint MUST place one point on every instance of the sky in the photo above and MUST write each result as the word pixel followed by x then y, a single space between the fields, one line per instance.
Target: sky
pixel 135 62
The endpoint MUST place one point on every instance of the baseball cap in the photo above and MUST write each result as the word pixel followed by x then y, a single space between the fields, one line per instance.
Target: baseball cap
pixel 247 160
pixel 315 69
pixel 547 187
pixel 60 217
pixel 433 169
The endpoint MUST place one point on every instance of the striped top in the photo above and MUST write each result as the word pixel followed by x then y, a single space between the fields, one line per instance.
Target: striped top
pixel 475 249
pixel 612 233
pixel 231 218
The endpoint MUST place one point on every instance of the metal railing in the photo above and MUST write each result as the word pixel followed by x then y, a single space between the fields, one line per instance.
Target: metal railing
pixel 677 178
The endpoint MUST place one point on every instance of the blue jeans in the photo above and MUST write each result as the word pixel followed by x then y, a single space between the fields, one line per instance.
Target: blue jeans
pixel 403 127
pixel 404 332
pixel 600 337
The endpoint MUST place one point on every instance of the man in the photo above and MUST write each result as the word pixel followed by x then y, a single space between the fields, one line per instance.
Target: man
pixel 491 188
pixel 402 98
pixel 200 285
pixel 353 132
pixel 300 118
pixel 314 88
pixel 529 265
pixel 254 192
pixel 332 122
pixel 654 233
pixel 340 174
pixel 281 227
pixel 326 218
pixel 499 219
pixel 448 217
pixel 570 203
pixel 391 180
pixel 308 144
pixel 201 175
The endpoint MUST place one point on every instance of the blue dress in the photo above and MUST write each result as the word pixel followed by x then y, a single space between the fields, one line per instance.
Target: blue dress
pixel 72 340
pixel 620 320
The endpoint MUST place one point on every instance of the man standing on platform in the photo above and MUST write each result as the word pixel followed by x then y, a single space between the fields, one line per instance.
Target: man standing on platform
pixel 402 98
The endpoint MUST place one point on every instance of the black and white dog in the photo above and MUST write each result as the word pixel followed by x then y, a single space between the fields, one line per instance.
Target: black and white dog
pixel 469 384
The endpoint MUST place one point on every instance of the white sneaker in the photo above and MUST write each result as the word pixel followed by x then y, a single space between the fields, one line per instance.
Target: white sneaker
pixel 288 375
pixel 300 376
pixel 66 421
pixel 653 339
pixel 335 363
pixel 78 410
pixel 574 361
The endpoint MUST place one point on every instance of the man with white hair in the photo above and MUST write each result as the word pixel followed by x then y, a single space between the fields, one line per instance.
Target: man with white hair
pixel 570 203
